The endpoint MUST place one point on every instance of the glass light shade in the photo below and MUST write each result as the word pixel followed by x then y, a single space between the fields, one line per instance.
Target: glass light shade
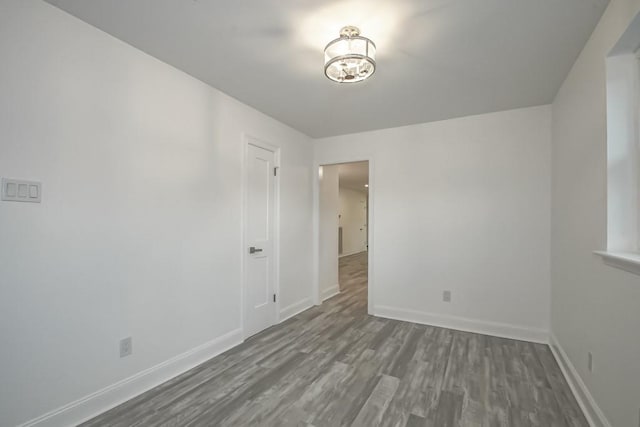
pixel 350 58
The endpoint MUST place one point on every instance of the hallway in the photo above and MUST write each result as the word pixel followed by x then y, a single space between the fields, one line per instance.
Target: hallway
pixel 352 272
pixel 335 365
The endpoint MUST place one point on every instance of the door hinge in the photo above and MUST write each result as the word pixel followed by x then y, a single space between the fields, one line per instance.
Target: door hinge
pixel 274 297
pixel 275 171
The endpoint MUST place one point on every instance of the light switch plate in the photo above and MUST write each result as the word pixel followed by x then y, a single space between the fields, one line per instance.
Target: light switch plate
pixel 19 190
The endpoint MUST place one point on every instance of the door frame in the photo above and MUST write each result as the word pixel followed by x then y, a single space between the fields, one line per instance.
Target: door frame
pixel 329 161
pixel 248 139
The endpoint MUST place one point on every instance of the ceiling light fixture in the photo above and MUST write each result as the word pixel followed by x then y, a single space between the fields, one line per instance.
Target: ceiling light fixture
pixel 350 58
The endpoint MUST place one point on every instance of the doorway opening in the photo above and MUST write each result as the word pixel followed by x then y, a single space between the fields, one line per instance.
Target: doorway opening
pixel 344 233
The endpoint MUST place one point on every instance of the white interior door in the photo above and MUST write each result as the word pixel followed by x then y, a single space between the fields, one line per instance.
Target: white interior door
pixel 364 233
pixel 259 291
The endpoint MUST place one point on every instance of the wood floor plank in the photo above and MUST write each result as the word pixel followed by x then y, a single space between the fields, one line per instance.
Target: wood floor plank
pixel 375 406
pixel 335 365
pixel 449 409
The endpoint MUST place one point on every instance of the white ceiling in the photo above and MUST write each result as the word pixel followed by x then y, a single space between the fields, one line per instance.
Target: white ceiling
pixel 354 176
pixel 437 59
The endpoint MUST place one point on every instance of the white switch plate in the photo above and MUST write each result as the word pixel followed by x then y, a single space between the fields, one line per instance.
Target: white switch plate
pixel 18 190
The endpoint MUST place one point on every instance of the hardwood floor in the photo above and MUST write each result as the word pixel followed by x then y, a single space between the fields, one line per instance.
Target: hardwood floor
pixel 334 365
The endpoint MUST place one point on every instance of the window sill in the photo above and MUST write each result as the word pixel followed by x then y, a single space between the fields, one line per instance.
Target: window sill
pixel 628 261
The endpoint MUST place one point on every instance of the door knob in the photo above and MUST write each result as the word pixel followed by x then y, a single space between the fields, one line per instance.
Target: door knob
pixel 253 250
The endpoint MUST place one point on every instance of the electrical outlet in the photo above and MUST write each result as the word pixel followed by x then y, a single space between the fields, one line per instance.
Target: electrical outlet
pixel 590 361
pixel 446 296
pixel 126 347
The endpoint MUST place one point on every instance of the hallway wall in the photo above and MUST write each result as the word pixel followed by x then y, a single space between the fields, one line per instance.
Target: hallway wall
pixel 353 220
pixel 328 232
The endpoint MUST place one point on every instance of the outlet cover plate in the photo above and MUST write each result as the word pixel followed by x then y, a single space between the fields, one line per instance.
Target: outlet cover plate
pixel 446 296
pixel 126 347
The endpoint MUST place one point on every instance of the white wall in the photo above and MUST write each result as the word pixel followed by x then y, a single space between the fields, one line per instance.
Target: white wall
pixel 329 206
pixel 139 229
pixel 353 220
pixel 461 205
pixel 594 307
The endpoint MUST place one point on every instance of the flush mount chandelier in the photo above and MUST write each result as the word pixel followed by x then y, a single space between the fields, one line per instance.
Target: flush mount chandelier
pixel 350 58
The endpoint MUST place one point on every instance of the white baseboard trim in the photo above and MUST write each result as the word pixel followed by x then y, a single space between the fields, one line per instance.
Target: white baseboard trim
pixel 330 292
pixel 295 308
pixel 464 324
pixel 351 253
pixel 590 408
pixel 111 396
